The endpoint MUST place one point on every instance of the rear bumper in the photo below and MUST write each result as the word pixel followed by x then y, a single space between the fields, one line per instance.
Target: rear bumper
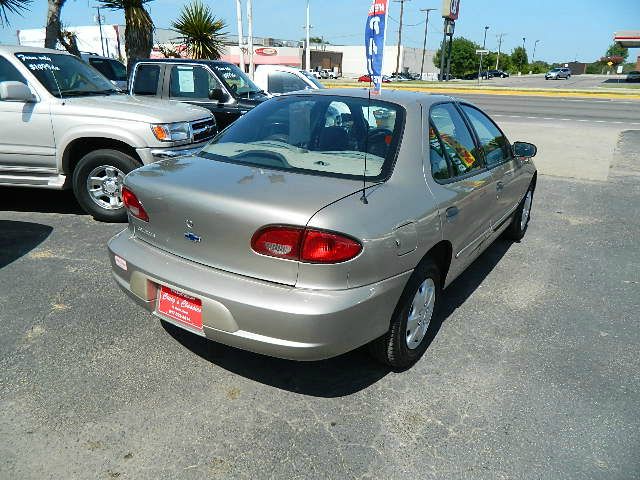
pixel 151 155
pixel 263 317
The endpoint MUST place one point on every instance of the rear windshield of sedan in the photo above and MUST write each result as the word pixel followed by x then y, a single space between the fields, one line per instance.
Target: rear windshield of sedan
pixel 336 136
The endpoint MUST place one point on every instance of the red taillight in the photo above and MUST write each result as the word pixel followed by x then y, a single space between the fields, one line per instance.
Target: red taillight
pixel 305 245
pixel 133 204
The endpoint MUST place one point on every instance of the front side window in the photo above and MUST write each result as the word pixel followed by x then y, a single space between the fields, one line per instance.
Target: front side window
pixel 65 75
pixel 493 142
pixel 9 73
pixel 456 139
pixel 283 82
pixel 191 81
pixel 322 135
pixel 112 69
pixel 146 80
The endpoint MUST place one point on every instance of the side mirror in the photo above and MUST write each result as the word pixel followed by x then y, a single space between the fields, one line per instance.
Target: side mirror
pixel 217 94
pixel 15 92
pixel 524 150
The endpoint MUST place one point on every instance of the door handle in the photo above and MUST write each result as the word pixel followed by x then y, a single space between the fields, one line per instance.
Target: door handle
pixel 451 212
pixel 499 186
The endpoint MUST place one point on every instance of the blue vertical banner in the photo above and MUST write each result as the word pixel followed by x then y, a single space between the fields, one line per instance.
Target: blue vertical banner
pixel 374 36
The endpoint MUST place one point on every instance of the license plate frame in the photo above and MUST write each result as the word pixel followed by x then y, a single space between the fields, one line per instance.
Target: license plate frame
pixel 180 308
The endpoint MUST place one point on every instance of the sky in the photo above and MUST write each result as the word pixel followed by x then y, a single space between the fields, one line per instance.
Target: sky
pixel 566 29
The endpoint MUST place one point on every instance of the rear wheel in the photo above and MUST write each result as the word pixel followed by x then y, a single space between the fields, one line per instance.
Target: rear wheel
pixel 97 183
pixel 414 321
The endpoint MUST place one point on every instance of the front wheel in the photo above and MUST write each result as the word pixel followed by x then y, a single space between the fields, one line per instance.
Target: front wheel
pixel 97 183
pixel 521 217
pixel 414 320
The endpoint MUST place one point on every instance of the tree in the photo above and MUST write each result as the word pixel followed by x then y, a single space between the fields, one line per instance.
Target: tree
pixel 16 7
pixel 53 28
pixel 138 30
pixel 317 40
pixel 201 31
pixel 616 50
pixel 519 58
pixel 463 57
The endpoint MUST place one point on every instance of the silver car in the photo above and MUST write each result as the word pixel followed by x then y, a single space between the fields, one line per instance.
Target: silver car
pixel 558 73
pixel 301 233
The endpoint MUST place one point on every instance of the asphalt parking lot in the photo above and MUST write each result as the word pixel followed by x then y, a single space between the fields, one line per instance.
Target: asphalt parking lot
pixel 533 374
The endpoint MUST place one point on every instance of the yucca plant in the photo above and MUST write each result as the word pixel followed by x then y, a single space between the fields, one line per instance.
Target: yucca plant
pixel 138 31
pixel 16 7
pixel 201 31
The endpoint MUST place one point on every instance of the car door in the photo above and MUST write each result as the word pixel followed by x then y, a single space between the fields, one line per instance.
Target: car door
pixel 26 136
pixel 462 185
pixel 504 167
pixel 192 83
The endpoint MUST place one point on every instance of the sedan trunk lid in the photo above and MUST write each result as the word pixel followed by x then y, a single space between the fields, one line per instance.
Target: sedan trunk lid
pixel 207 210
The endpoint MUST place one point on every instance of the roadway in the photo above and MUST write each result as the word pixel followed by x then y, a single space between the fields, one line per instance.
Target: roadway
pixel 618 112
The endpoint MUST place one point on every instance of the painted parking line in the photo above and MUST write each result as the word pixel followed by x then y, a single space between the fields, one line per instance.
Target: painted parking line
pixel 582 120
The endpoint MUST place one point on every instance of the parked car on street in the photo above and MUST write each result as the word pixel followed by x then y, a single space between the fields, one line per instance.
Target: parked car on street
pixel 65 125
pixel 328 73
pixel 633 76
pixel 315 234
pixel 367 78
pixel 219 86
pixel 279 79
pixel 497 73
pixel 557 74
pixel 111 68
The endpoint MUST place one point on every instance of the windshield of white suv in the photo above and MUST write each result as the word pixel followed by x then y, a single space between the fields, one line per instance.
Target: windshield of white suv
pixel 312 79
pixel 65 75
pixel 325 135
pixel 235 79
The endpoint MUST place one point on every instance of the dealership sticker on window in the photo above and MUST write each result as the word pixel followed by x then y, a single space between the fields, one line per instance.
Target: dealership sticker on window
pixel 185 79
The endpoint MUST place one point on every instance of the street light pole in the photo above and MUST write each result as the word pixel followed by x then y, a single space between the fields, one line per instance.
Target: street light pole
pixel 250 37
pixel 308 49
pixel 484 45
pixel 240 39
pixel 424 45
pixel 499 48
pixel 535 44
pixel 524 52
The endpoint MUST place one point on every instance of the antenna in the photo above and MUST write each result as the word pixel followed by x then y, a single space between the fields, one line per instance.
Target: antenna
pixel 363 198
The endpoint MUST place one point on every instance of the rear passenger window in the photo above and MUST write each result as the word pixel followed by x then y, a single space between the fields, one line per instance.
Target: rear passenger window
pixel 146 81
pixel 439 164
pixel 493 142
pixel 457 142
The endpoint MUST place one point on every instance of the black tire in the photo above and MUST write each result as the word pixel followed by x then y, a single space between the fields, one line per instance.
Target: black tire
pixel 391 349
pixel 516 229
pixel 92 160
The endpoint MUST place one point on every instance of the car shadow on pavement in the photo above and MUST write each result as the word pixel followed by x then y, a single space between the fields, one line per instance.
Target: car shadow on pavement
pixel 19 238
pixel 40 200
pixel 339 376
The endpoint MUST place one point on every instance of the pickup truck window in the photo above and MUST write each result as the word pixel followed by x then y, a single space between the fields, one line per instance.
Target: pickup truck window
pixel 9 73
pixel 235 79
pixel 146 80
pixel 191 81
pixel 65 75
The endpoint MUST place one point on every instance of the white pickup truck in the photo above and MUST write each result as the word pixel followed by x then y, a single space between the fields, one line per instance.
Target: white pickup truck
pixel 64 125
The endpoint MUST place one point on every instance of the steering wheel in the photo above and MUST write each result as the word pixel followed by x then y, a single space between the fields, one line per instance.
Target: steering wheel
pixel 377 141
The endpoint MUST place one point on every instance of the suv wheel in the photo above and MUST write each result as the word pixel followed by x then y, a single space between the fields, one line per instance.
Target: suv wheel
pixel 97 183
pixel 414 321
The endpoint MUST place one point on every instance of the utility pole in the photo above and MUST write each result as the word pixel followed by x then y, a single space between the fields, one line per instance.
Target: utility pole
pixel 240 36
pixel 535 44
pixel 424 45
pixel 400 33
pixel 308 44
pixel 250 37
pixel 499 37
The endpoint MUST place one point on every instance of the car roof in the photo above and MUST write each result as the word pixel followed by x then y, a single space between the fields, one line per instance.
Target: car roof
pixel 401 97
pixel 25 49
pixel 183 60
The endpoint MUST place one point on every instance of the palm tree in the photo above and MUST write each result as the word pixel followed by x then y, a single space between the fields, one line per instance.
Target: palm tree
pixel 11 6
pixel 53 28
pixel 201 31
pixel 138 31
